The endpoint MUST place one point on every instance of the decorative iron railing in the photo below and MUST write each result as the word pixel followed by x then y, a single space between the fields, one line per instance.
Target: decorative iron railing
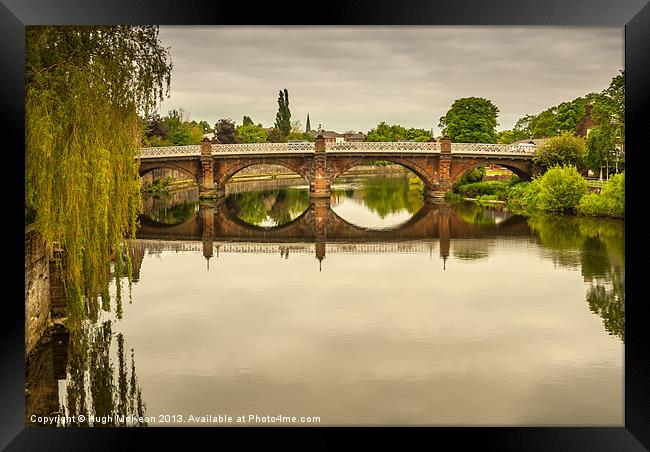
pixel 394 146
pixel 491 149
pixel 362 147
pixel 170 151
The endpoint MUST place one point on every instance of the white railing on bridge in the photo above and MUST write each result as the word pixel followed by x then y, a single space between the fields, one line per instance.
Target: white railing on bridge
pixel 263 148
pixel 492 149
pixel 390 146
pixel 170 151
pixel 363 147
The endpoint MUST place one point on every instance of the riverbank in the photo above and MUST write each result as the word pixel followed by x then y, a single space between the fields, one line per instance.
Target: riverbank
pixel 560 190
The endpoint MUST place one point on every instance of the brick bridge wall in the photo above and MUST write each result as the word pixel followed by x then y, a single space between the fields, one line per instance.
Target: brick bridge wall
pixel 320 168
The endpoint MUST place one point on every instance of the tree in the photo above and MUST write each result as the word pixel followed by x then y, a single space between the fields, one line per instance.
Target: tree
pixel 205 127
pixel 296 127
pixel 565 149
pixel 522 129
pixel 609 112
pixel 569 114
pixel 384 132
pixel 224 130
pixel 247 121
pixel 283 116
pixel 506 137
pixel 412 134
pixel 601 148
pixel 251 133
pixel 276 136
pixel 471 120
pixel 83 132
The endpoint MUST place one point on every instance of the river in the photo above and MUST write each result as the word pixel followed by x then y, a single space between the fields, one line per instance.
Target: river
pixel 371 308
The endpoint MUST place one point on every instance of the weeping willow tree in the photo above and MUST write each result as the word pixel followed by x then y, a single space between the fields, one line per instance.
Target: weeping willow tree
pixel 85 89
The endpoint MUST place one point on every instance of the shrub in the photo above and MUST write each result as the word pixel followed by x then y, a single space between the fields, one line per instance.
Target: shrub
pixel 524 195
pixel 497 188
pixel 565 149
pixel 561 189
pixel 473 175
pixel 610 201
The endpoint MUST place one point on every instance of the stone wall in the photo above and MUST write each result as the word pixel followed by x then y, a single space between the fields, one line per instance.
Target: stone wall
pixel 37 288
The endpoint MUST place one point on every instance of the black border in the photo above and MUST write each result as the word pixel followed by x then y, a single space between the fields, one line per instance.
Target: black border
pixel 633 14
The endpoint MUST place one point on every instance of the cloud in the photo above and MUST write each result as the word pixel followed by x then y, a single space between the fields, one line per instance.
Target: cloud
pixel 354 77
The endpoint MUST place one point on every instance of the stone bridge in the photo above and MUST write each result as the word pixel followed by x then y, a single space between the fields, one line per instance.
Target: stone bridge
pixel 320 226
pixel 437 164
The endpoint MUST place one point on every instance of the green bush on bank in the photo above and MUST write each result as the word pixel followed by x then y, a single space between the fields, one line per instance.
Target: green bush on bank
pixel 561 189
pixel 524 196
pixel 610 201
pixel 491 188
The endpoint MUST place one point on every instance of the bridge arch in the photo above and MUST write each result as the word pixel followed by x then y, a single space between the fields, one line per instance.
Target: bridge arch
pixel 147 167
pixel 413 166
pixel 230 169
pixel 521 168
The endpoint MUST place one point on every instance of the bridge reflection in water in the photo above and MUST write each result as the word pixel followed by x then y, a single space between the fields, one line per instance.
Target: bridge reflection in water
pixel 319 230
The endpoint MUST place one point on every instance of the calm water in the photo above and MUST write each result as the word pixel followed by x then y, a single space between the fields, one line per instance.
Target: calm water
pixel 374 308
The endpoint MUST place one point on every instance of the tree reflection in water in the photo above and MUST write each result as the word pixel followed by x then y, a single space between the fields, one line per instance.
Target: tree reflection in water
pixel 597 248
pixel 383 195
pixel 269 207
pixel 93 387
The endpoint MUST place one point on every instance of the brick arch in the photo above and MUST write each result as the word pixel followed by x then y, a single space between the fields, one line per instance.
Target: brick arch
pixel 411 165
pixel 521 168
pixel 181 166
pixel 232 168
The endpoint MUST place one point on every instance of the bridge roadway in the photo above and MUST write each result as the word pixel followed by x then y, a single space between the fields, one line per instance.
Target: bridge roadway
pixel 437 164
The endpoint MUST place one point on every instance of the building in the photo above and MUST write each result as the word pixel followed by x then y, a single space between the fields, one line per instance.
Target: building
pixel 335 137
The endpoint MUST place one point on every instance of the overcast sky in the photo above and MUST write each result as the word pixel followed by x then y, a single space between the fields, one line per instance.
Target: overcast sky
pixel 354 77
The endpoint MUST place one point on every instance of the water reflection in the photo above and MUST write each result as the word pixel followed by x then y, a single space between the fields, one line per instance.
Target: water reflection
pixel 377 202
pixel 268 208
pixel 79 379
pixel 449 314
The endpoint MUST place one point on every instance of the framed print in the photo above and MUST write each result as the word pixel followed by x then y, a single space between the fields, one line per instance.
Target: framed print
pixel 306 220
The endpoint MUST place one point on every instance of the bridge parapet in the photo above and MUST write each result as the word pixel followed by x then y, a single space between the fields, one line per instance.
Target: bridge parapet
pixel 262 148
pixel 522 150
pixel 170 151
pixel 493 149
pixel 391 146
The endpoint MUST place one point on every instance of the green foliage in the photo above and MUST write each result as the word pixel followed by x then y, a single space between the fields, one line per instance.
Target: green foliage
pixel 175 129
pixel 601 147
pixel 610 202
pixel 247 121
pixel 395 132
pixel 473 175
pixel 276 136
pixel 384 132
pixel 523 128
pixel 283 116
pixel 506 137
pixel 490 188
pixel 561 188
pixel 158 186
pixel 250 133
pixel 565 149
pixel 83 137
pixel 524 196
pixel 609 108
pixel 471 120
pixel 303 136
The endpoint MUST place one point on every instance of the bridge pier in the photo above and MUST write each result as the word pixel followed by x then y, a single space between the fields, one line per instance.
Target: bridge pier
pixel 321 208
pixel 319 186
pixel 207 187
pixel 444 184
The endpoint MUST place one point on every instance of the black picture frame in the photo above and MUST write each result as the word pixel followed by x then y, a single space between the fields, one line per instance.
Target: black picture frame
pixel 634 15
